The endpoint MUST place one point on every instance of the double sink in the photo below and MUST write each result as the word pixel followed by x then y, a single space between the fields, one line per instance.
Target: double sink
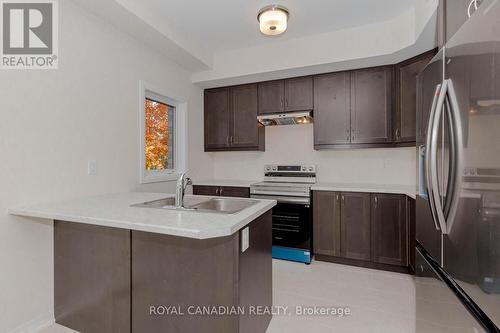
pixel 202 204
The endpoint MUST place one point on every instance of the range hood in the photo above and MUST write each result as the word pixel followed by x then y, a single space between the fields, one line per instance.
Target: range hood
pixel 289 118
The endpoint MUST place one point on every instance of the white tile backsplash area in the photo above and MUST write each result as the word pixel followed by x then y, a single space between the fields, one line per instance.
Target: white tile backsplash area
pixel 294 144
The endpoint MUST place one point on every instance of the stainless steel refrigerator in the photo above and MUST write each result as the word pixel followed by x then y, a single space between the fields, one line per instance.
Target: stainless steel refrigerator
pixel 458 205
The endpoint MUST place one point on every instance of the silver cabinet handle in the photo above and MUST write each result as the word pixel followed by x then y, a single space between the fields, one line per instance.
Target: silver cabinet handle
pixel 221 191
pixel 429 157
pixel 376 201
pixel 343 200
pixel 217 191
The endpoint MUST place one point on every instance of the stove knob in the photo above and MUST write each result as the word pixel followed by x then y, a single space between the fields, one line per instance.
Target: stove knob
pixel 311 169
pixel 274 168
pixel 303 169
pixel 268 168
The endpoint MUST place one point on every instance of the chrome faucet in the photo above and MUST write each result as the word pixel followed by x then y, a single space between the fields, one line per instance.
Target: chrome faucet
pixel 180 189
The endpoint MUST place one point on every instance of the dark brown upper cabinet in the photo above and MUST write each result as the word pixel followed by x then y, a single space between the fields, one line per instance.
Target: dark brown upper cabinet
pixel 355 239
pixel 405 110
pixel 286 95
pixel 353 109
pixel 371 105
pixel 244 127
pixel 231 119
pixel 332 114
pixel 389 229
pixel 299 94
pixel 217 119
pixel 272 97
pixel 326 223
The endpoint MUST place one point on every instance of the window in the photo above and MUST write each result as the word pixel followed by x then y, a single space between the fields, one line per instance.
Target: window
pixel 159 135
pixel 162 135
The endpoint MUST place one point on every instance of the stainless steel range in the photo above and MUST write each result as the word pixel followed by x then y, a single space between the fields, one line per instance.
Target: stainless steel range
pixel 290 185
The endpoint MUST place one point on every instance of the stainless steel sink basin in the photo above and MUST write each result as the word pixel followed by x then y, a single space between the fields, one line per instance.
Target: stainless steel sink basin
pixel 202 204
pixel 224 206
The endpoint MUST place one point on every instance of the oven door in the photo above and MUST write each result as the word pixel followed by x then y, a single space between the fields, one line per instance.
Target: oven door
pixel 292 225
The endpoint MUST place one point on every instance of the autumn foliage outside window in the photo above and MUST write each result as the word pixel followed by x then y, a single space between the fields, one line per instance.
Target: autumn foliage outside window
pixel 158 137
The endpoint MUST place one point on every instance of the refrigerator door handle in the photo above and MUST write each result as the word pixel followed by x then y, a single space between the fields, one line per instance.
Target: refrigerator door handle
pixel 450 188
pixel 434 195
pixel 457 169
pixel 429 156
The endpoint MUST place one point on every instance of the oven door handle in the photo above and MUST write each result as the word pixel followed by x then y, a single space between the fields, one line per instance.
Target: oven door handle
pixel 283 199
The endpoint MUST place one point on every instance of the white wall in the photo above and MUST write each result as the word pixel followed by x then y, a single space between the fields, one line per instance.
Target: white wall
pixel 294 144
pixel 380 43
pixel 52 123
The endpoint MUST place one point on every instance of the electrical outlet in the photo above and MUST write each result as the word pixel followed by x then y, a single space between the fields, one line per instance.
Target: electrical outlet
pixel 92 168
pixel 245 239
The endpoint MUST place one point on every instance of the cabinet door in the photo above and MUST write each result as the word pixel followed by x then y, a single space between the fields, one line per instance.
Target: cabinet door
pixel 216 119
pixel 411 218
pixel 272 97
pixel 244 125
pixel 332 123
pixel 355 226
pixel 326 224
pixel 371 105
pixel 299 94
pixel 405 119
pixel 206 190
pixel 255 268
pixel 237 192
pixel 389 229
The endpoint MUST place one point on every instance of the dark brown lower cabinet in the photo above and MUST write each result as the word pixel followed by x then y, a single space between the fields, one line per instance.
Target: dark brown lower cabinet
pixel 389 229
pixel 362 229
pixel 411 217
pixel 355 227
pixel 190 274
pixel 223 191
pixel 206 190
pixel 110 280
pixel 326 215
pixel 91 277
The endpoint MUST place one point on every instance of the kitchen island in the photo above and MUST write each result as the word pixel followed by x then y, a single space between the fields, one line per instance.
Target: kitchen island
pixel 119 268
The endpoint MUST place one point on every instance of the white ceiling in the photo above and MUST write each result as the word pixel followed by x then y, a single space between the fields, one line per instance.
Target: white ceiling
pixel 229 24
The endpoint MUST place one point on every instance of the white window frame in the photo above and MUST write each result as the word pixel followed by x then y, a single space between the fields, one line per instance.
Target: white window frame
pixel 180 134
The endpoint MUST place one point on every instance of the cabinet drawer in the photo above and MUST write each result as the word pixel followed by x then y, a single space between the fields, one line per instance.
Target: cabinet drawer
pixel 205 190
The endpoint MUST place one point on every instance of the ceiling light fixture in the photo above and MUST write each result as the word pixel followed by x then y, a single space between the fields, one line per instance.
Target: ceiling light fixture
pixel 273 20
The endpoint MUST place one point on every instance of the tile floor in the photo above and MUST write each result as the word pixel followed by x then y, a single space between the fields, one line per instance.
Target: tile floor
pixel 379 301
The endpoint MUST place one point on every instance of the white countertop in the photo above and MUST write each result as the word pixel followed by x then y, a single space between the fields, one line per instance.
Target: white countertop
pixel 408 190
pixel 225 182
pixel 114 210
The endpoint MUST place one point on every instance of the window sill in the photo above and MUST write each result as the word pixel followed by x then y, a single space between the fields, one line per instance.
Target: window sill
pixel 171 177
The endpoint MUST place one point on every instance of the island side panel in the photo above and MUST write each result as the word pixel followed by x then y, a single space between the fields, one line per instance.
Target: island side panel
pixel 92 277
pixel 176 273
pixel 256 275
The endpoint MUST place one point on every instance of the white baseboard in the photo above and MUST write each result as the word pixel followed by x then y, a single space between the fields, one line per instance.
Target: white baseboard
pixel 36 324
